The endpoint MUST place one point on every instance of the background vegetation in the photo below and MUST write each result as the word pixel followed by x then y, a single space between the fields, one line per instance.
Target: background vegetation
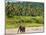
pixel 29 14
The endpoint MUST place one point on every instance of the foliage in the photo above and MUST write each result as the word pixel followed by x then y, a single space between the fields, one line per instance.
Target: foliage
pixel 24 9
pixel 28 21
pixel 31 14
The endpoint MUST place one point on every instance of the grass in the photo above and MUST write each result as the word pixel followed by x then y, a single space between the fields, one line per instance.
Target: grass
pixel 27 21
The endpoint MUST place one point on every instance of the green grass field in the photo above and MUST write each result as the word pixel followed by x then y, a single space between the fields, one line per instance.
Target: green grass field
pixel 27 21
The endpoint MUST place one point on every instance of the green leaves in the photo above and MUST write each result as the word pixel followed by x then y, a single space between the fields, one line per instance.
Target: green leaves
pixel 24 9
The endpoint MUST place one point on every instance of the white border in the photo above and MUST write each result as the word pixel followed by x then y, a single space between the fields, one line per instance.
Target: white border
pixel 2 17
